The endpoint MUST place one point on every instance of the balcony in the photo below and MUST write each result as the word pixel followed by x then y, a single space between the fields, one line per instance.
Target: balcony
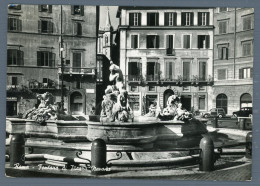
pixel 77 71
pixel 49 85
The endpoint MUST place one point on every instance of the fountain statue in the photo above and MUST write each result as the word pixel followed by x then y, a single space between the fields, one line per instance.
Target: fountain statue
pixel 115 106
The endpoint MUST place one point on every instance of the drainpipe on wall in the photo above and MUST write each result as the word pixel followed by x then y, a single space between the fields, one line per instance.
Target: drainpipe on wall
pixel 234 67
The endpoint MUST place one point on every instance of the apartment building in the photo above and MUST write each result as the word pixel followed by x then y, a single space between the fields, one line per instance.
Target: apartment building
pixel 165 51
pixel 37 35
pixel 233 58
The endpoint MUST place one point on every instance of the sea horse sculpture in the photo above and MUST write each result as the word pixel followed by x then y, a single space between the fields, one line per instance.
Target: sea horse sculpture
pixel 115 105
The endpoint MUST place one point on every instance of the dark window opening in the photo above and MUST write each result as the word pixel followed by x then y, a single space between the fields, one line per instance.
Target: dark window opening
pixel 152 19
pixel 187 18
pixel 222 102
pixel 14 81
pixel 153 69
pixel 77 10
pixel 245 73
pixel 134 71
pixel 202 71
pixel 186 71
pixel 152 41
pixel 203 18
pixel 45 26
pixel 223 53
pixel 14 6
pixel 76 62
pixel 203 41
pixel 45 8
pixel 77 29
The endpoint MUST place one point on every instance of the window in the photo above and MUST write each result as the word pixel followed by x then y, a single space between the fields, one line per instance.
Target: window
pixel 45 59
pixel 247 23
pixel 186 41
pixel 186 88
pixel 203 41
pixel 203 18
pixel 45 8
pixel 246 100
pixel 76 64
pixel 14 81
pixel 77 10
pixel 202 71
pixel 202 102
pixel 15 57
pixel 14 6
pixel 134 41
pixel 134 71
pixel 186 70
pixel 14 24
pixel 169 70
pixel 245 73
pixel 153 69
pixel 106 40
pixel 247 48
pixel 135 19
pixel 45 26
pixel 202 88
pixel 77 28
pixel 169 45
pixel 222 52
pixel 134 102
pixel 223 9
pixel 151 88
pixel 187 18
pixel 152 19
pixel 170 19
pixel 152 41
pixel 222 74
pixel 222 27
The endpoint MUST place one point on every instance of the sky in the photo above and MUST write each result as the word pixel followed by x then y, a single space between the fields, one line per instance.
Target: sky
pixel 112 12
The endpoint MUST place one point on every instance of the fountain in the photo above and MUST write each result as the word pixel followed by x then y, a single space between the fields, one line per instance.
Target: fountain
pixel 47 133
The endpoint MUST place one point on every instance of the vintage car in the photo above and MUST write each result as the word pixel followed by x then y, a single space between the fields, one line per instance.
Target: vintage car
pixel 243 112
pixel 215 112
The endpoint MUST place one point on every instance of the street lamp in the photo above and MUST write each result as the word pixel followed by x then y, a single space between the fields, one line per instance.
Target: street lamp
pixel 62 63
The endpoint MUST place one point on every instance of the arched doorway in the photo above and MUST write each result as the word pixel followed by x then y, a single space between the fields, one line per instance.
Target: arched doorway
pixel 76 103
pixel 167 93
pixel 246 100
pixel 222 102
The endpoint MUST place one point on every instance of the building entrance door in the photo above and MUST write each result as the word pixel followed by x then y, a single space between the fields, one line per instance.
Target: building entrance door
pixel 11 108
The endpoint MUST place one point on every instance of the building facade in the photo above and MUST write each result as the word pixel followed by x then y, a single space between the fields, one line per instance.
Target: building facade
pixel 165 51
pixel 233 58
pixel 34 56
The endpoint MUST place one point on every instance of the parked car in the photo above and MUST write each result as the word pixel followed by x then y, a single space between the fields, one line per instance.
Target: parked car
pixel 243 112
pixel 219 112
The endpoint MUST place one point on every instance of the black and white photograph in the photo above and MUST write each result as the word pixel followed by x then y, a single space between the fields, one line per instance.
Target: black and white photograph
pixel 129 92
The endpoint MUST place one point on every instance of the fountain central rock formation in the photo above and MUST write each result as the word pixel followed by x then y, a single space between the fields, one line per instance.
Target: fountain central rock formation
pixel 115 106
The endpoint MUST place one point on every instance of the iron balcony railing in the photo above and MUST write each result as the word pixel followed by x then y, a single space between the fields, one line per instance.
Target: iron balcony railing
pixel 77 70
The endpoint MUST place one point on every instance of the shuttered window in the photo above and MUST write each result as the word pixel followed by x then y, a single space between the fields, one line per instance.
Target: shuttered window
pixel 170 19
pixel 186 70
pixel 186 41
pixel 247 23
pixel 222 27
pixel 203 18
pixel 222 73
pixel 223 52
pixel 247 48
pixel 15 57
pixel 187 18
pixel 14 24
pixel 202 70
pixel 45 58
pixel 45 26
pixel 134 71
pixel 153 70
pixel 169 70
pixel 134 41
pixel 135 19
